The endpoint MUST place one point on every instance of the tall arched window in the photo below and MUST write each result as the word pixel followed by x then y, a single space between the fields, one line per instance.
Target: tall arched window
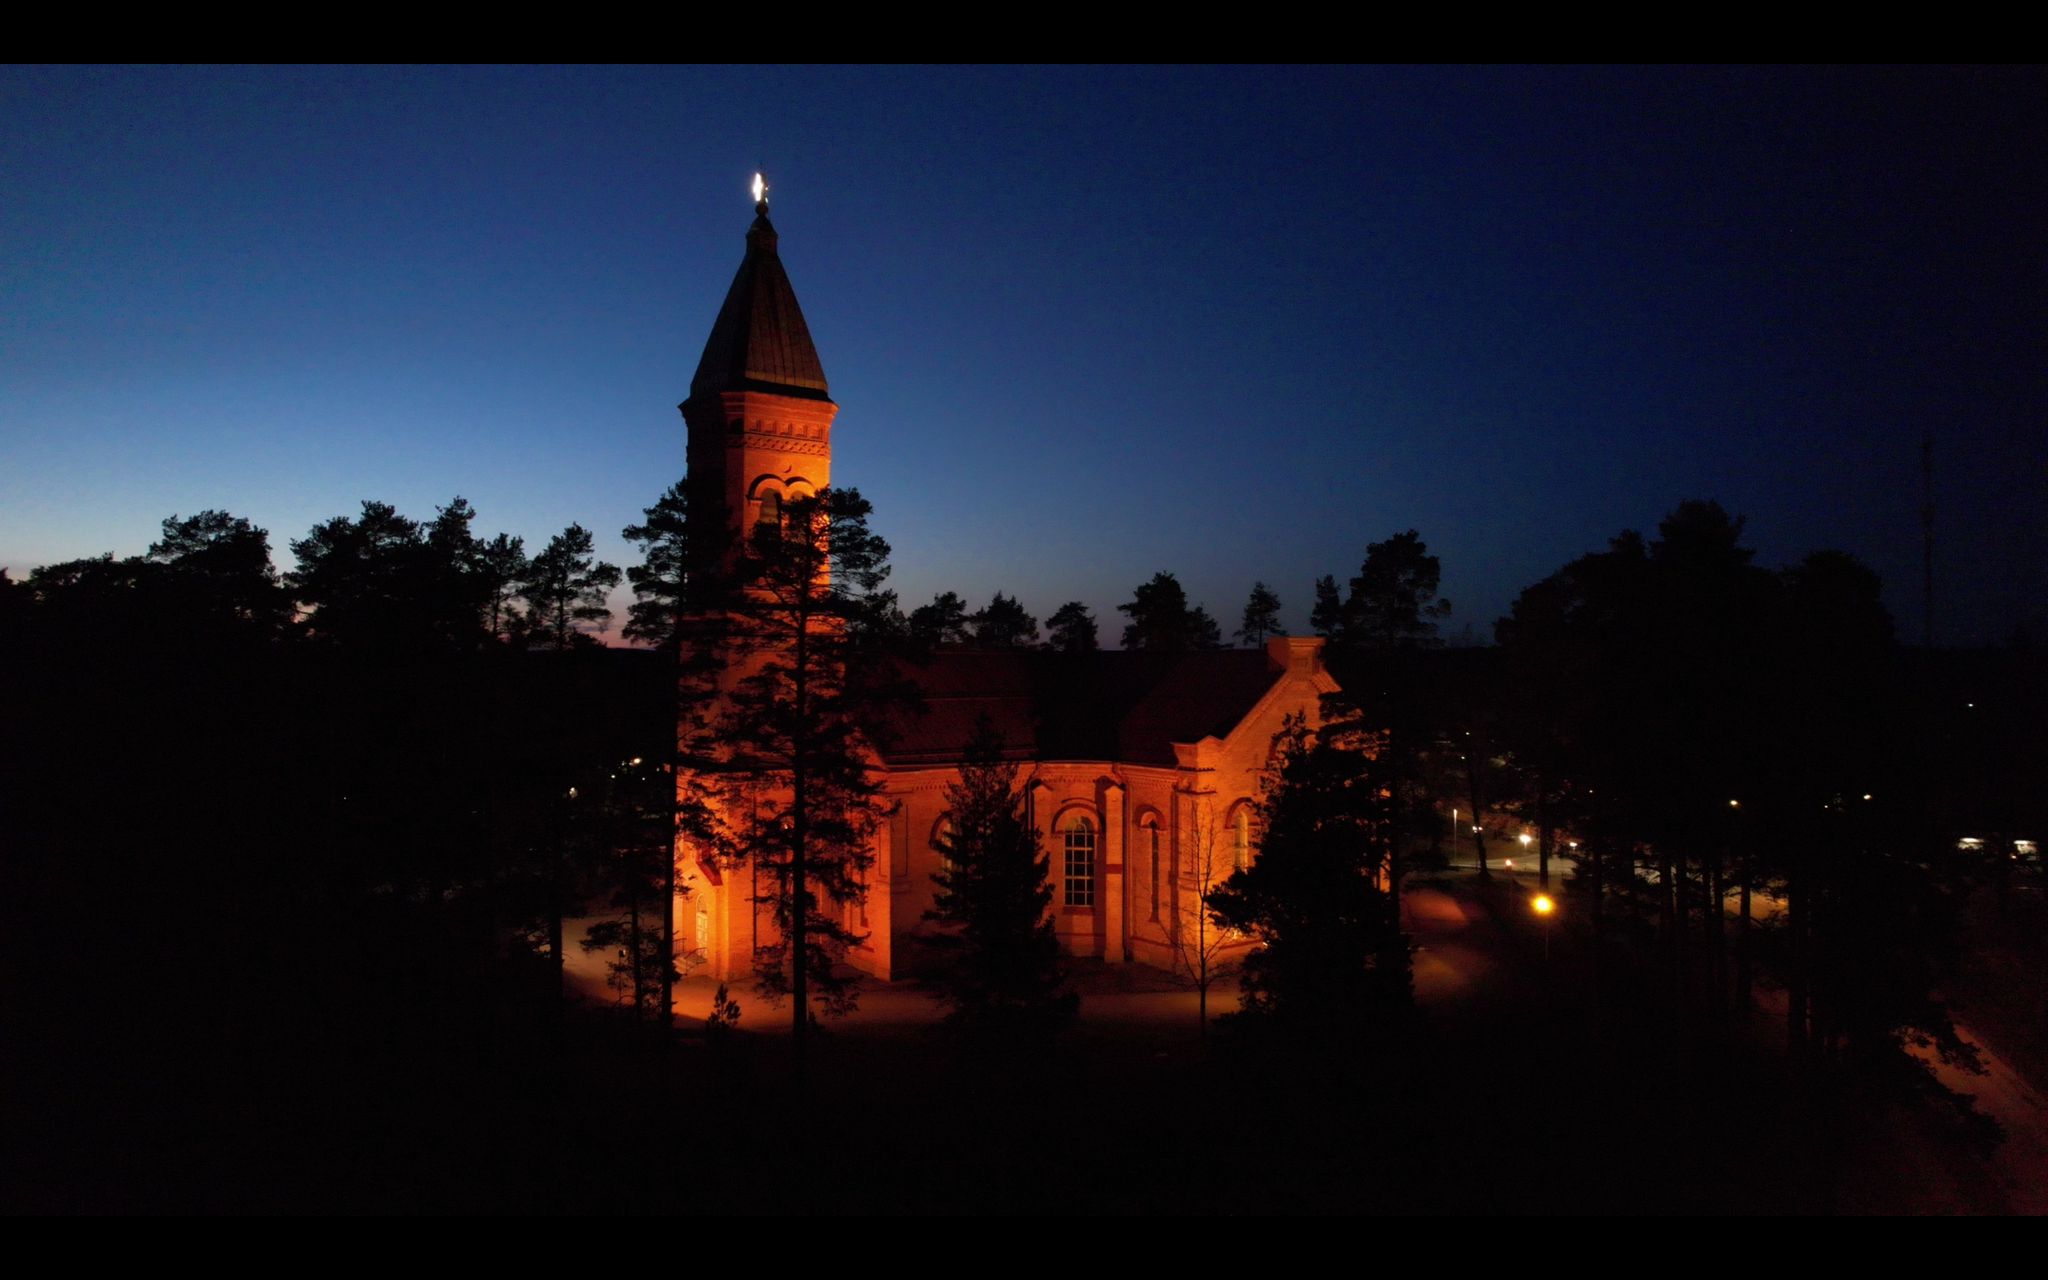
pixel 1080 849
pixel 771 508
pixel 1241 837
pixel 1150 826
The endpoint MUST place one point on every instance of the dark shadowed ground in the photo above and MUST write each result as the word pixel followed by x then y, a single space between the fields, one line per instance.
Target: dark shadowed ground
pixel 1508 1097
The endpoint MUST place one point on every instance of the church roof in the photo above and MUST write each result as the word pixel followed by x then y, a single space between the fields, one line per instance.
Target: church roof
pixel 1128 706
pixel 760 341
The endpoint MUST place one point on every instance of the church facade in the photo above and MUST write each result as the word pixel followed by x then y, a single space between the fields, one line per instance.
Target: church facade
pixel 1139 769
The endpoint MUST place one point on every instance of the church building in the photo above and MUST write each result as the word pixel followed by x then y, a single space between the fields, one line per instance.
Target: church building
pixel 1139 768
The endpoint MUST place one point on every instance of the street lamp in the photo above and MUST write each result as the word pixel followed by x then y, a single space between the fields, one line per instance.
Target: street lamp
pixel 1543 906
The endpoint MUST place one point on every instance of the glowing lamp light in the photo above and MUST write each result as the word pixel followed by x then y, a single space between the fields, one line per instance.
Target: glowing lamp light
pixel 1524 838
pixel 1735 804
pixel 1543 905
pixel 1509 863
pixel 760 188
pixel 636 760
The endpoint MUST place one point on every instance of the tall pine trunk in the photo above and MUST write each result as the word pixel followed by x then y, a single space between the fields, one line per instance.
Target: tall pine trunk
pixel 1681 918
pixel 1667 912
pixel 556 839
pixel 633 937
pixel 1478 833
pixel 1795 988
pixel 800 911
pixel 668 880
pixel 1743 941
pixel 1717 967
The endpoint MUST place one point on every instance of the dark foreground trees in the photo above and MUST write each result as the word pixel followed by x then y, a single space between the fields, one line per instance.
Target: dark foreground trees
pixel 994 899
pixel 1717 736
pixel 1330 961
pixel 780 770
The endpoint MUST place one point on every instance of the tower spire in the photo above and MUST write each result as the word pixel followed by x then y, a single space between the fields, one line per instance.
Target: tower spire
pixel 760 341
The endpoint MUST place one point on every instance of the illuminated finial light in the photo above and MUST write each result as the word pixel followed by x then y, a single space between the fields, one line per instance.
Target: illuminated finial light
pixel 760 189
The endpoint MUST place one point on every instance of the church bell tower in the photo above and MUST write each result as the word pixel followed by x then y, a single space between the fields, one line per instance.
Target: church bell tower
pixel 760 432
pixel 759 415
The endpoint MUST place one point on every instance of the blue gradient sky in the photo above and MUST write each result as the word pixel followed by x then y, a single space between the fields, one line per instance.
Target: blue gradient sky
pixel 1082 325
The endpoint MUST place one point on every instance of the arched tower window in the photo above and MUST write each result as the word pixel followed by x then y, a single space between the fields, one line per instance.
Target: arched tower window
pixel 1241 837
pixel 771 508
pixel 1080 851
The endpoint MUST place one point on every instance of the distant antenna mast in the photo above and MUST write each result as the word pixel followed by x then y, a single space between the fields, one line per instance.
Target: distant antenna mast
pixel 1927 539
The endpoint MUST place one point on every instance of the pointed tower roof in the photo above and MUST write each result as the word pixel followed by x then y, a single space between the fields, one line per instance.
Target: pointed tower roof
pixel 760 341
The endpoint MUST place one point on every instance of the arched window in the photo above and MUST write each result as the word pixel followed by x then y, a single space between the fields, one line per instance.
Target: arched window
pixel 942 841
pixel 1150 826
pixel 1241 837
pixel 1080 849
pixel 771 508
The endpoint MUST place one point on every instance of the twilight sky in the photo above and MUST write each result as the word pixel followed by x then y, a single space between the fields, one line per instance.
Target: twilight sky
pixel 1082 325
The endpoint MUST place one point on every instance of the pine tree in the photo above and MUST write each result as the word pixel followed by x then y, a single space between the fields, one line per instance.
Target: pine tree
pixel 782 772
pixel 943 621
pixel 995 895
pixel 633 856
pixel 566 586
pixel 1391 604
pixel 1261 616
pixel 383 580
pixel 1327 618
pixel 502 565
pixel 1332 961
pixel 678 578
pixel 221 563
pixel 1003 624
pixel 1071 629
pixel 1161 619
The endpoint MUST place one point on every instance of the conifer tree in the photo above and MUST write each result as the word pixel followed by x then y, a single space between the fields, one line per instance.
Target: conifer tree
pixel 1261 616
pixel 221 564
pixel 678 578
pixel 1003 624
pixel 1331 960
pixel 1391 604
pixel 633 856
pixel 1327 617
pixel 383 580
pixel 1162 620
pixel 782 770
pixel 1071 629
pixel 995 895
pixel 943 621
pixel 502 565
pixel 566 586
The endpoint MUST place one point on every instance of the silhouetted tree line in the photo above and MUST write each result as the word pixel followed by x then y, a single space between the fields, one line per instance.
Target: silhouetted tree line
pixel 336 813
pixel 339 815
pixel 1161 620
pixel 1755 782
